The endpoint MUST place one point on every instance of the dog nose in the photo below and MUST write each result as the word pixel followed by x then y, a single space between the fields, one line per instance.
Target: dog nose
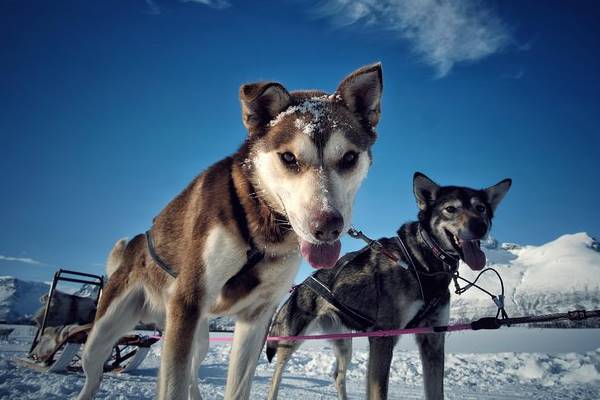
pixel 477 227
pixel 327 226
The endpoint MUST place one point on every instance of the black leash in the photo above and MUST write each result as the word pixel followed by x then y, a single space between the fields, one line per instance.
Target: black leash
pixel 495 323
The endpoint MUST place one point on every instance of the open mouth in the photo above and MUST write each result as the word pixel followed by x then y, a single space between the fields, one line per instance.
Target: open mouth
pixel 469 250
pixel 320 255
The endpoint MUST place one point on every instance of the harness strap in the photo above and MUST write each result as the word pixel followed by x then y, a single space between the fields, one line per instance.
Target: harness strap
pixel 253 254
pixel 423 312
pixel 159 261
pixel 321 289
pixel 437 251
pixel 412 264
pixel 347 259
pixel 428 306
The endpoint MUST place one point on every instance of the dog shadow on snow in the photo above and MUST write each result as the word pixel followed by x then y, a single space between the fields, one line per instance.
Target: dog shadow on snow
pixel 216 375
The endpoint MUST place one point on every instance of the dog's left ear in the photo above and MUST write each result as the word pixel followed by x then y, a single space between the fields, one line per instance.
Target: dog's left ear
pixel 496 193
pixel 425 190
pixel 361 91
pixel 261 102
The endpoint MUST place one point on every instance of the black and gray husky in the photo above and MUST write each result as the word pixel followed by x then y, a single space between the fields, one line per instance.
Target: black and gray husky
pixel 369 285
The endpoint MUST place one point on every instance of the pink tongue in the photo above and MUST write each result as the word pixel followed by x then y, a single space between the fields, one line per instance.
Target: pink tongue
pixel 472 254
pixel 321 255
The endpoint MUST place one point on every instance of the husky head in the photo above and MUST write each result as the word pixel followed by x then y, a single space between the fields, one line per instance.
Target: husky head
pixel 310 151
pixel 458 217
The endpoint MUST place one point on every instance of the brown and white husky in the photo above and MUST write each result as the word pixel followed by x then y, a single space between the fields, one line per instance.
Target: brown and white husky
pixel 288 191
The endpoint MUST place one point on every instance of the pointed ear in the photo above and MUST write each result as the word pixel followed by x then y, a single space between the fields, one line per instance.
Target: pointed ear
pixel 425 190
pixel 261 102
pixel 496 193
pixel 361 91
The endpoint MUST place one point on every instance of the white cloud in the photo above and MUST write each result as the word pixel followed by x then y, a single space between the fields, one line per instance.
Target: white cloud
pixel 25 260
pixel 442 32
pixel 153 7
pixel 210 3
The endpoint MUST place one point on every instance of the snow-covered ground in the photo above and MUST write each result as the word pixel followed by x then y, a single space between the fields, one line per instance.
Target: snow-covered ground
pixel 558 276
pixel 471 373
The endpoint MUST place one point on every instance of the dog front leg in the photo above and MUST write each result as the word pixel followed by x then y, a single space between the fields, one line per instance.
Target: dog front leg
pixel 183 314
pixel 248 340
pixel 431 348
pixel 201 341
pixel 380 358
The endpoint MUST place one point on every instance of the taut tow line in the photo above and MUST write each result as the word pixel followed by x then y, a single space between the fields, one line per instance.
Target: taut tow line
pixel 479 324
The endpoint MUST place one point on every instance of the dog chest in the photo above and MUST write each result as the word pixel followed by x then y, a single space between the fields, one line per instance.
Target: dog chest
pixel 265 283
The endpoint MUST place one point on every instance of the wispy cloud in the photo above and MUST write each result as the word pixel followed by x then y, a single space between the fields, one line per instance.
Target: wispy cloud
pixel 210 3
pixel 442 32
pixel 516 75
pixel 154 7
pixel 25 260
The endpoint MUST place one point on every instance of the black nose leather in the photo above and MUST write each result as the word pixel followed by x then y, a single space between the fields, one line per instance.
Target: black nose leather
pixel 327 226
pixel 477 227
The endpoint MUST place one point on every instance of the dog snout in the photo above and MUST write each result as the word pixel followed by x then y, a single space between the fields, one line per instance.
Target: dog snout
pixel 477 227
pixel 327 226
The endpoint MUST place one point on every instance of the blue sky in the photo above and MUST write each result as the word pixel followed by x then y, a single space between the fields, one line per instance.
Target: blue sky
pixel 110 108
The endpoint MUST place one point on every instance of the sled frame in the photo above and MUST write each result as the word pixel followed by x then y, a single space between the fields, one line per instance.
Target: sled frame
pixel 65 275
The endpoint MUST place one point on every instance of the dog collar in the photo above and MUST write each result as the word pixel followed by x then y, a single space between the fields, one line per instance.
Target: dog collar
pixel 437 251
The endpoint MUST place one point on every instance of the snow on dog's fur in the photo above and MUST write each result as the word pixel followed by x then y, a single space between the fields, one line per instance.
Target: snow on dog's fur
pixel 288 191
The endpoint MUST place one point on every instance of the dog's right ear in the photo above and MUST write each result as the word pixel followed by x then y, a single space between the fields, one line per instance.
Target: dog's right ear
pixel 361 91
pixel 425 190
pixel 261 102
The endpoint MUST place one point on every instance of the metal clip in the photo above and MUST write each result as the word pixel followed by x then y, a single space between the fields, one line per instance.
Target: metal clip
pixel 499 301
pixel 356 234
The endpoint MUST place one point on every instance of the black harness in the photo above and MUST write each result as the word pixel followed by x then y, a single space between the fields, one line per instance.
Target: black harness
pixel 253 255
pixel 321 289
pixel 450 263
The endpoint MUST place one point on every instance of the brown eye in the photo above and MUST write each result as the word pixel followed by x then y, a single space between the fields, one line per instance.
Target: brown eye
pixel 480 208
pixel 348 160
pixel 451 209
pixel 290 161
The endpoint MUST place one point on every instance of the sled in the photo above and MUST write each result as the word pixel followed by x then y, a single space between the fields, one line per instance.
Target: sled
pixel 127 354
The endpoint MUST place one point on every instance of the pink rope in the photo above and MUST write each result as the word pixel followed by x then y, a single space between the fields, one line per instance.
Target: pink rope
pixel 349 335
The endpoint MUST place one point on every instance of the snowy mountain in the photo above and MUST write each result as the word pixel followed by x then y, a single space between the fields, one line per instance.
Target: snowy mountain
pixel 19 300
pixel 558 276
